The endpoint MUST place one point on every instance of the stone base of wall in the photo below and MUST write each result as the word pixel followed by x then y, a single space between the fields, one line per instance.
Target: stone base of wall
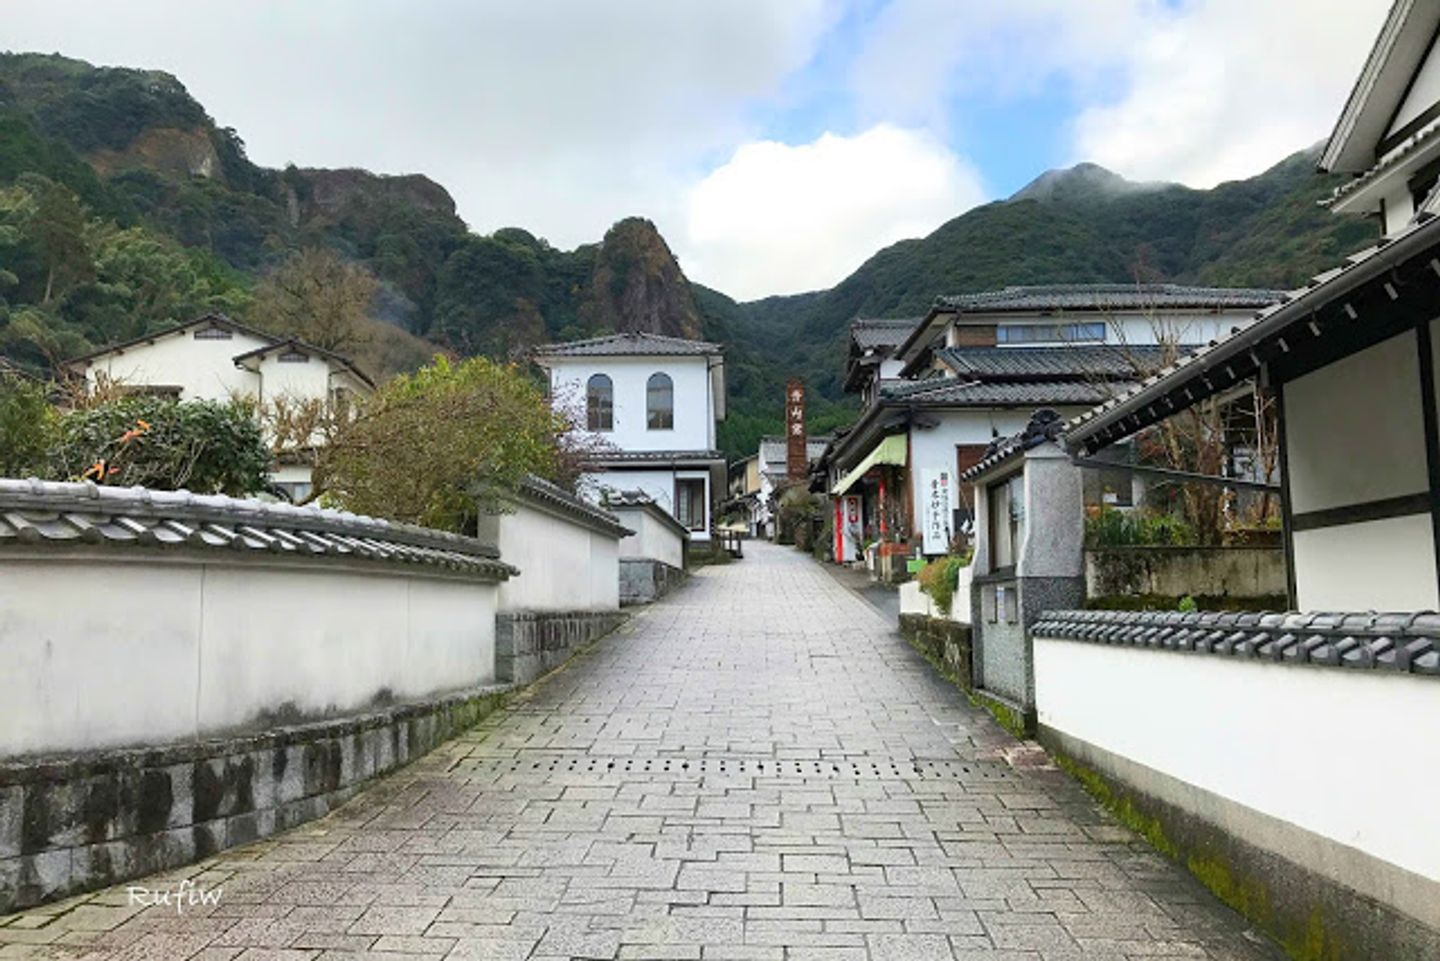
pixel 643 580
pixel 945 643
pixel 1312 916
pixel 530 644
pixel 78 823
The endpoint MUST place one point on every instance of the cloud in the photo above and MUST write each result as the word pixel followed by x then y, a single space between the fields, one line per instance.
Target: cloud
pixel 1195 91
pixel 1222 89
pixel 782 219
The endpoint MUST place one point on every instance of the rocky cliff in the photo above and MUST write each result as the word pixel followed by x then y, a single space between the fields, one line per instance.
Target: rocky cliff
pixel 637 285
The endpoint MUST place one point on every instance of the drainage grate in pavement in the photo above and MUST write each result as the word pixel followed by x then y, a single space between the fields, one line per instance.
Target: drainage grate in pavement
pixel 749 767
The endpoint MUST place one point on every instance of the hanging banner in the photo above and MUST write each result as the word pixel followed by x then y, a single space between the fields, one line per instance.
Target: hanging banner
pixel 937 509
pixel 849 531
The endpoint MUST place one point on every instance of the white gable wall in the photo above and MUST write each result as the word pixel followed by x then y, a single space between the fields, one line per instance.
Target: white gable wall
pixel 694 403
pixel 202 369
pixel 1424 93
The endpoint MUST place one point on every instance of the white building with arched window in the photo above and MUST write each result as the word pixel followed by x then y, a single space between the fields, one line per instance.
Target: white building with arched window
pixel 654 402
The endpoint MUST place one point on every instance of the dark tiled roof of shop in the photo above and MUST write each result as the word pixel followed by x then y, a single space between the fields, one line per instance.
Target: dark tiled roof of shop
pixel 1110 297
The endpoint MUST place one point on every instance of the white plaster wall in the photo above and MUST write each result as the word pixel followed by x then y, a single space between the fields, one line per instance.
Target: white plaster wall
pixel 652 539
pixel 935 448
pixel 1354 429
pixel 203 369
pixel 1133 327
pixel 564 566
pixel 1384 565
pixel 309 380
pixel 659 484
pixel 1424 92
pixel 1305 745
pixel 915 601
pixel 104 649
pixel 694 404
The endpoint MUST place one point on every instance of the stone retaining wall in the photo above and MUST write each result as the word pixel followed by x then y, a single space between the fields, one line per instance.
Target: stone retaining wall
pixel 945 642
pixel 72 824
pixel 643 580
pixel 530 644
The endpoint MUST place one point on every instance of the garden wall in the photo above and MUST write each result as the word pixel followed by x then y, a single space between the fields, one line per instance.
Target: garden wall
pixel 1174 572
pixel 135 624
pixel 1255 750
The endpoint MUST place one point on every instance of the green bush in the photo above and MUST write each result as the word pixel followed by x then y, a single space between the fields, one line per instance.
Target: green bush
pixel 27 426
pixel 203 446
pixel 1108 527
pixel 939 578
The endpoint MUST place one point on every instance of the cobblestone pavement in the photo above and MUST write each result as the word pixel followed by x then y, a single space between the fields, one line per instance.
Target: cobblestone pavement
pixel 755 768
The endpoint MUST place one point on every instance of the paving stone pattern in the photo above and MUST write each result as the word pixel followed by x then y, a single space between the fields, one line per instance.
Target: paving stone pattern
pixel 755 768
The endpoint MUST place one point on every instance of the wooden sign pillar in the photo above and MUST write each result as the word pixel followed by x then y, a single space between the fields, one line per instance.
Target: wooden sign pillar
pixel 796 462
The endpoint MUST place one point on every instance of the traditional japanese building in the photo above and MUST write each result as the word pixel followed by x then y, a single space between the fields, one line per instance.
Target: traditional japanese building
pixel 975 368
pixel 654 403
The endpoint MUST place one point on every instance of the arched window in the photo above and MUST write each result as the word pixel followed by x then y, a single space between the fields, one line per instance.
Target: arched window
pixel 599 403
pixel 660 402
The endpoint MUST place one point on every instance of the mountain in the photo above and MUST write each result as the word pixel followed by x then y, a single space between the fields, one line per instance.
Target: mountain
pixel 1083 225
pixel 124 207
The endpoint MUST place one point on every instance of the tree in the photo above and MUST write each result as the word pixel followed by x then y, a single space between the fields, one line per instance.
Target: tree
pixel 27 425
pixel 58 231
pixel 319 298
pixel 441 445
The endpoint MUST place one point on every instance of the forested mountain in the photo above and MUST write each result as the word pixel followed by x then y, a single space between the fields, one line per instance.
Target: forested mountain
pixel 124 208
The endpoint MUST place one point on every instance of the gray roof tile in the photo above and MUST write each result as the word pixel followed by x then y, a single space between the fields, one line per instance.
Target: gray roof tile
pixel 964 392
pixel 43 513
pixel 870 333
pixel 1400 642
pixel 628 344
pixel 1110 297
pixel 559 500
pixel 1071 361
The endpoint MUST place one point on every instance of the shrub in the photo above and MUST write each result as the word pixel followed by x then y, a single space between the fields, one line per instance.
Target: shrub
pixel 939 579
pixel 203 446
pixel 1108 527
pixel 27 426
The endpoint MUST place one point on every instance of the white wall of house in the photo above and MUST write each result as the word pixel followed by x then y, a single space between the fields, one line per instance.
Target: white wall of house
pixel 564 565
pixel 203 369
pixel 654 539
pixel 1423 94
pixel 658 483
pixel 935 447
pixel 1329 785
pixel 1121 327
pixel 308 379
pixel 1354 433
pixel 695 412
pixel 139 648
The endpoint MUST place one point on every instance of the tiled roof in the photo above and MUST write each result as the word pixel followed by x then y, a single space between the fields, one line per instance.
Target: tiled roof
pixel 1231 359
pixel 620 345
pixel 1403 643
pixel 1071 361
pixel 557 499
pixel 639 500
pixel 773 449
pixel 300 346
pixel 45 513
pixel 1110 297
pixel 630 498
pixel 869 333
pixel 1422 138
pixel 656 456
pixel 962 392
pixel 1045 425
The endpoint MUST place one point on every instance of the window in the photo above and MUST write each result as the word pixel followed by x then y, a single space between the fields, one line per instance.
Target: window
pixel 1006 521
pixel 600 403
pixel 1050 333
pixel 659 402
pixel 690 504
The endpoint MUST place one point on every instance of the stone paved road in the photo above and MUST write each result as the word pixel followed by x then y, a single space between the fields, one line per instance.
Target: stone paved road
pixel 756 768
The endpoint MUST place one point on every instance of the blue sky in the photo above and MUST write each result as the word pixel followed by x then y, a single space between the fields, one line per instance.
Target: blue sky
pixel 776 143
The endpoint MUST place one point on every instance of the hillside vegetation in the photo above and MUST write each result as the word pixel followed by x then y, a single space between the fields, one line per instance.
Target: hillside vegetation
pixel 125 208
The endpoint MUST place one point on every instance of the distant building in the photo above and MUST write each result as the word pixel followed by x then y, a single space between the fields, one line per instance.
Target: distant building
pixel 655 402
pixel 756 481
pixel 939 389
pixel 216 358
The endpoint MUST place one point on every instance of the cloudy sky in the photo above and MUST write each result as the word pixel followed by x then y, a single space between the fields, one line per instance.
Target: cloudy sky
pixel 777 143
